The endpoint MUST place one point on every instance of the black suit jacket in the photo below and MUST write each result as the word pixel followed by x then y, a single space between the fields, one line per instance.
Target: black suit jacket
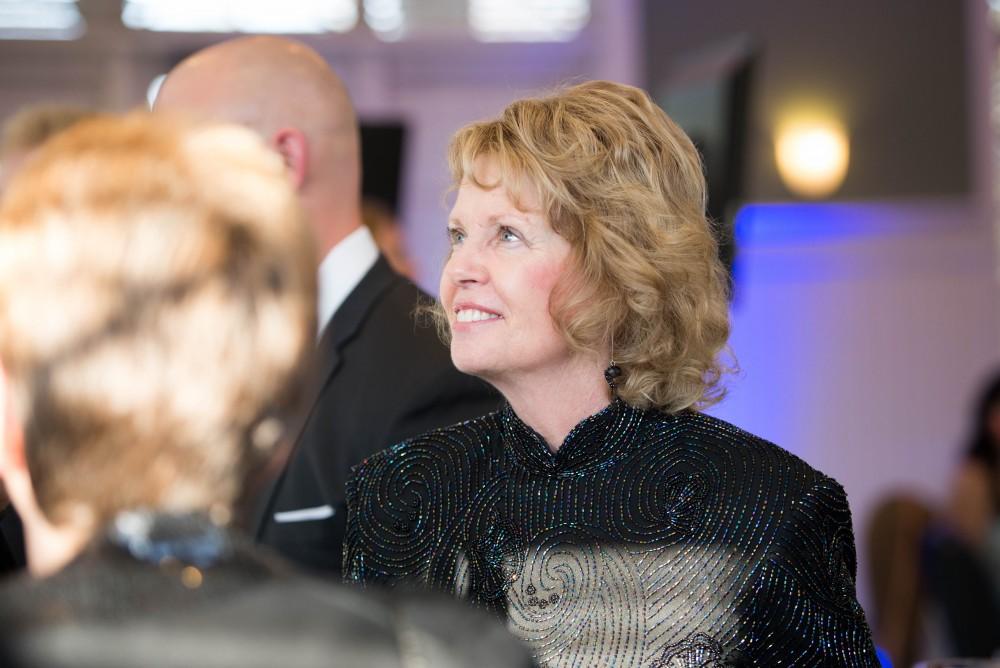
pixel 381 378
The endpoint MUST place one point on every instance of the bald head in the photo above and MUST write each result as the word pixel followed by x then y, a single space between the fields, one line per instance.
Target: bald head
pixel 286 92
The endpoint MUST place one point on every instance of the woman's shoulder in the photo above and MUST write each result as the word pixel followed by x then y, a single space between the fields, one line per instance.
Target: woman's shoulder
pixel 463 445
pixel 799 514
pixel 411 494
pixel 743 453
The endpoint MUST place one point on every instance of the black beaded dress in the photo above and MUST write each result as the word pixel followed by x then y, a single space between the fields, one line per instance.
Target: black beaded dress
pixel 668 541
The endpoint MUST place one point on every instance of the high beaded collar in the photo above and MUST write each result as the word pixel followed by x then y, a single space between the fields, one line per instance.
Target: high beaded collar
pixel 595 442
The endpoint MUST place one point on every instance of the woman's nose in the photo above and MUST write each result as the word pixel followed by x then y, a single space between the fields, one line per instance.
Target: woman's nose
pixel 466 266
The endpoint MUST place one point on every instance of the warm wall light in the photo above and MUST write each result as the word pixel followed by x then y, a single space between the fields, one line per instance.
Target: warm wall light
pixel 812 155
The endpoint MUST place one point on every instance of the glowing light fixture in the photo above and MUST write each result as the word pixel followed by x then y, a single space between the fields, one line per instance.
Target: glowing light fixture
pixel 812 152
pixel 386 18
pixel 254 16
pixel 41 19
pixel 527 20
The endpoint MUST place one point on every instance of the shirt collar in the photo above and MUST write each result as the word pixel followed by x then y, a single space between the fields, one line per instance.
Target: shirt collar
pixel 342 270
pixel 594 443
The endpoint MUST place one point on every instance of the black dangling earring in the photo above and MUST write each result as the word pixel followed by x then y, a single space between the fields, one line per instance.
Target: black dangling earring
pixel 613 372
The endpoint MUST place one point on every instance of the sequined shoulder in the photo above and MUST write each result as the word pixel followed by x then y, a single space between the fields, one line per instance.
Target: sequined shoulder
pixel 469 441
pixel 802 527
pixel 720 439
pixel 413 496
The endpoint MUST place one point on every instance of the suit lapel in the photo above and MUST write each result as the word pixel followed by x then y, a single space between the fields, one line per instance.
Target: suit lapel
pixel 343 326
pixel 347 319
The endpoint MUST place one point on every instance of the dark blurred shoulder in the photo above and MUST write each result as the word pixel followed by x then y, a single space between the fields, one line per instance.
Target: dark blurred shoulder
pixel 252 611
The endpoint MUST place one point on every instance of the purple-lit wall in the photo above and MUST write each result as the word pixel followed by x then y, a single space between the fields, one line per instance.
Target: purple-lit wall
pixel 862 331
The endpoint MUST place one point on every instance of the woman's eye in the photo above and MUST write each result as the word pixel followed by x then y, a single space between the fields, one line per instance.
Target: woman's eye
pixel 507 234
pixel 456 236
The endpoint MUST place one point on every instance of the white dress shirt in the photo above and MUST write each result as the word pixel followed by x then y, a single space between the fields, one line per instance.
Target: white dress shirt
pixel 341 271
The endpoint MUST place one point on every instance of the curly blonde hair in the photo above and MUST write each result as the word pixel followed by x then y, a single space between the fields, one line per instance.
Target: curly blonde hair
pixel 624 185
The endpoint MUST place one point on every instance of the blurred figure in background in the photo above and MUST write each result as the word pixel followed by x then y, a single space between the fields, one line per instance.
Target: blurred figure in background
pixel 28 129
pixel 963 554
pixel 22 135
pixel 896 533
pixel 379 379
pixel 936 571
pixel 157 296
pixel 975 501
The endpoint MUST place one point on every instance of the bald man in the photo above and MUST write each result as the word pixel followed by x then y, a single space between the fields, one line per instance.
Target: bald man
pixel 382 378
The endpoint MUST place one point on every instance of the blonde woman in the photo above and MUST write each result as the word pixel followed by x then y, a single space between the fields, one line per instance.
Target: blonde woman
pixel 600 512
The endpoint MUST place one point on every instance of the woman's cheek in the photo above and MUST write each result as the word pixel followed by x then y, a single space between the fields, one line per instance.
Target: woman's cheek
pixel 543 276
pixel 536 284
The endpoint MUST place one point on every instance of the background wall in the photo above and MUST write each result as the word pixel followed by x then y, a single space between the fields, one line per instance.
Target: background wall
pixel 863 331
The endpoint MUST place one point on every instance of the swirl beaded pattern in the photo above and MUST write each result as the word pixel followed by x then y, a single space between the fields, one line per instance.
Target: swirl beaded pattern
pixel 671 541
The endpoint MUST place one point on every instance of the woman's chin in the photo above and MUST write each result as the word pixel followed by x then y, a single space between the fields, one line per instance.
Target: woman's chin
pixel 472 364
pixel 470 368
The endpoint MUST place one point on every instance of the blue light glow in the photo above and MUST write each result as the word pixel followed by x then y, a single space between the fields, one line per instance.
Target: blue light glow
pixel 790 324
pixel 788 223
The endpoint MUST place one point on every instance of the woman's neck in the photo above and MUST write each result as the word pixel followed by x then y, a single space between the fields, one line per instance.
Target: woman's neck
pixel 554 401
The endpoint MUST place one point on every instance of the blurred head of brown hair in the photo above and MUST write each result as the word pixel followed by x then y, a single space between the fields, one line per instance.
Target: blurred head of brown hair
pixel 32 126
pixel 157 287
pixel 28 129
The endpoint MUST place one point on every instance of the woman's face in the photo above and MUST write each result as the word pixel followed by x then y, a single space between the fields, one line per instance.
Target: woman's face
pixel 498 281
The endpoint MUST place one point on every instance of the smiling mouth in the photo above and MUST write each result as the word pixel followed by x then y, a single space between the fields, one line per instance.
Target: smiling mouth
pixel 475 315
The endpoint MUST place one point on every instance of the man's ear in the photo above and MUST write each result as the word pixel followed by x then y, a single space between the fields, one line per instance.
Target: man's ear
pixel 293 147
